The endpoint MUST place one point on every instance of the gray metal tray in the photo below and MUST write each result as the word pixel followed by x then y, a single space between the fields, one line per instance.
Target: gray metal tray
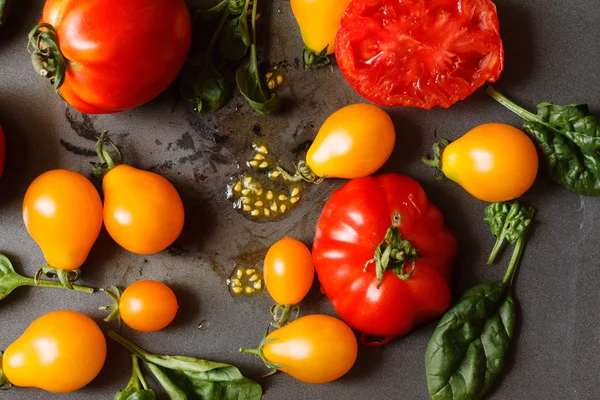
pixel 551 55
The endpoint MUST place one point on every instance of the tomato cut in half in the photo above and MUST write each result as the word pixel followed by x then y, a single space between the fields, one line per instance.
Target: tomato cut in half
pixel 419 53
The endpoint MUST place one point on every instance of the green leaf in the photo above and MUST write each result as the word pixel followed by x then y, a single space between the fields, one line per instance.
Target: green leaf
pixel 568 138
pixel 202 84
pixel 133 394
pixel 507 222
pixel 9 279
pixel 3 11
pixel 235 38
pixel 250 83
pixel 137 388
pixel 467 350
pixel 192 378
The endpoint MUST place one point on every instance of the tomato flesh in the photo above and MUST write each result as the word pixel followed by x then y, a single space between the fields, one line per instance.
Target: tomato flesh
pixel 419 53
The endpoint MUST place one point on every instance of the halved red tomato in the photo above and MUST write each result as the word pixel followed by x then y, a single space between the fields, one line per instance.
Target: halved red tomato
pixel 419 53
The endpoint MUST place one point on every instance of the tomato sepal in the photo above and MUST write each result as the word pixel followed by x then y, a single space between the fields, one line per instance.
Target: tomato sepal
pixel 46 57
pixel 107 159
pixel 115 294
pixel 66 277
pixel 281 314
pixel 436 160
pixel 393 253
pixel 313 59
pixel 259 352
pixel 303 173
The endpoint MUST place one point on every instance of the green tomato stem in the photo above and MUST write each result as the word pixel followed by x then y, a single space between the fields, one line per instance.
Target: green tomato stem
pixel 57 285
pixel 247 350
pixel 514 107
pixel 517 254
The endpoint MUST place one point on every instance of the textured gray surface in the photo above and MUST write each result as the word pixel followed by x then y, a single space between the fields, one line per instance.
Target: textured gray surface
pixel 551 54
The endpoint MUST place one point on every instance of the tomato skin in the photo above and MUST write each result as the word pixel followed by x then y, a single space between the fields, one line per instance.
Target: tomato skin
pixel 143 212
pixel 113 65
pixel 2 150
pixel 62 211
pixel 352 225
pixel 288 271
pixel 314 349
pixel 419 53
pixel 353 142
pixel 493 162
pixel 319 21
pixel 148 306
pixel 60 352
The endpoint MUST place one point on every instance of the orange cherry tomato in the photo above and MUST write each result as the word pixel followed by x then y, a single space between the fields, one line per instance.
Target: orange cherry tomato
pixel 493 162
pixel 319 21
pixel 313 349
pixel 354 142
pixel 143 212
pixel 63 214
pixel 288 271
pixel 148 306
pixel 60 352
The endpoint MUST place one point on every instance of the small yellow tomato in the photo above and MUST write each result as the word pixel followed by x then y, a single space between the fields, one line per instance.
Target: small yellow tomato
pixel 142 210
pixel 288 271
pixel 148 306
pixel 354 142
pixel 62 211
pixel 60 352
pixel 313 349
pixel 319 21
pixel 493 162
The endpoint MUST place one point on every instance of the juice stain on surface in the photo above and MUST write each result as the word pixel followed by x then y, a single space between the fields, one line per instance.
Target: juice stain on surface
pixel 245 281
pixel 263 194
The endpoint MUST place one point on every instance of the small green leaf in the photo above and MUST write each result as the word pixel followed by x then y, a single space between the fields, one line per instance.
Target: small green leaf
pixel 568 138
pixel 234 39
pixel 9 279
pixel 203 85
pixel 253 87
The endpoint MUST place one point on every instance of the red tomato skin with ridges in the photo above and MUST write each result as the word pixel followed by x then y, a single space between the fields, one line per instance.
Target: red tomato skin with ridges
pixel 351 226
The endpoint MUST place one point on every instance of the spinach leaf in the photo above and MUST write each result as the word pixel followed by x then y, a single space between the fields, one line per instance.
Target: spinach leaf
pixel 568 138
pixel 467 349
pixel 201 83
pixel 10 280
pixel 3 11
pixel 507 222
pixel 136 389
pixel 191 378
pixel 249 80
pixel 235 37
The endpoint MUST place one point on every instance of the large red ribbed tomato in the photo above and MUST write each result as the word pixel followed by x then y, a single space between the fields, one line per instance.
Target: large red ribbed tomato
pixel 389 220
pixel 107 56
pixel 419 53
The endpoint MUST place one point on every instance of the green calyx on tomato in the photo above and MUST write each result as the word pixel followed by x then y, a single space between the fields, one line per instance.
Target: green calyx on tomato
pixel 107 159
pixel 436 160
pixel 303 173
pixel 46 57
pixel 115 294
pixel 312 59
pixel 260 353
pixel 393 253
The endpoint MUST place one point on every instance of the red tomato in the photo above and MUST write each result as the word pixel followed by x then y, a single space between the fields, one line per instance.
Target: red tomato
pixel 419 53
pixel 119 54
pixel 353 224
pixel 2 150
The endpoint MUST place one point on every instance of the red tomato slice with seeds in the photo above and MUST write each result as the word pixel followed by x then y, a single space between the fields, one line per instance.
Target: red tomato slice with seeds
pixel 419 53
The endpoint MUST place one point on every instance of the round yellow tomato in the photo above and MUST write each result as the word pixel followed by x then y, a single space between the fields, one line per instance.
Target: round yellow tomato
pixel 493 162
pixel 60 352
pixel 354 142
pixel 319 21
pixel 288 271
pixel 63 214
pixel 142 210
pixel 148 306
pixel 313 349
